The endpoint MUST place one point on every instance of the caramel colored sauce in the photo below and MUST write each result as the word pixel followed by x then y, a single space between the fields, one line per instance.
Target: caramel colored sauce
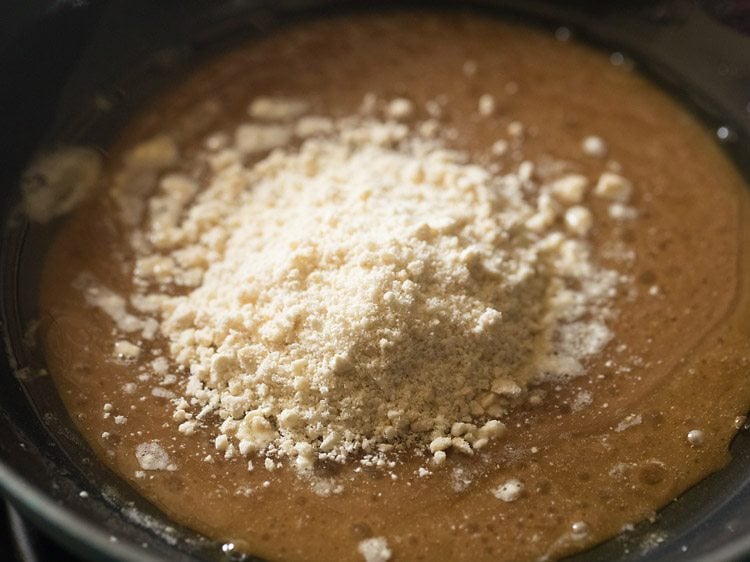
pixel 679 361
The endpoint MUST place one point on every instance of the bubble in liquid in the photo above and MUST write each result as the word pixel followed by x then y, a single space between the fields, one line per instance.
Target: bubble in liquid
pixel 579 530
pixel 725 134
pixel 617 58
pixel 562 34
pixel 695 437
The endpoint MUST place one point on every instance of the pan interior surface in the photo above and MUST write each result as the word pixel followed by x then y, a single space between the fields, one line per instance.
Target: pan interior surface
pixel 47 463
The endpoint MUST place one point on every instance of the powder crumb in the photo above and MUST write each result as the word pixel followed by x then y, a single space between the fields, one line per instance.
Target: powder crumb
pixel 486 105
pixel 594 146
pixel 620 212
pixel 652 541
pixel 570 189
pixel 582 400
pixel 160 392
pixel 325 487
pixel 216 142
pixel 157 153
pixel 433 109
pixel 126 351
pixel 221 442
pixel 459 480
pixel 160 365
pixel 440 444
pixel 510 491
pixel 187 427
pixel 374 549
pixel 110 303
pixel 56 183
pixel 251 138
pixel 151 456
pixel 369 104
pixel 313 125
pixel 469 68
pixel 629 421
pixel 500 147
pixel 276 109
pixel 579 220
pixel 613 187
pixel 400 108
pixel 516 129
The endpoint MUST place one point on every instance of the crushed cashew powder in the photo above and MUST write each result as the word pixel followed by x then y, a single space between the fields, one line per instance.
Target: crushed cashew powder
pixel 353 288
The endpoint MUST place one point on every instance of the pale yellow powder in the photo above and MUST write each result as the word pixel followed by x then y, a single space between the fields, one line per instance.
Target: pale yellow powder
pixel 371 290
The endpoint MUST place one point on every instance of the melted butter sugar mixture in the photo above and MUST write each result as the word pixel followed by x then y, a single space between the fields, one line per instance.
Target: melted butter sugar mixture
pixel 566 187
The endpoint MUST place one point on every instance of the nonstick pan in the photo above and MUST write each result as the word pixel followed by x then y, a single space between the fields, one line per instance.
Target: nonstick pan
pixel 73 71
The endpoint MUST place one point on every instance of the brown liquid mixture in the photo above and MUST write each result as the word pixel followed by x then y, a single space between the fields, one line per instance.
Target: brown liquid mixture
pixel 678 362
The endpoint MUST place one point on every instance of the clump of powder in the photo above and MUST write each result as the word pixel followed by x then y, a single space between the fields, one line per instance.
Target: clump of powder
pixel 364 291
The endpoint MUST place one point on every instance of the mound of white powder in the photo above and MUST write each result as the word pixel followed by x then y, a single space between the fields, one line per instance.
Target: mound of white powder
pixel 360 289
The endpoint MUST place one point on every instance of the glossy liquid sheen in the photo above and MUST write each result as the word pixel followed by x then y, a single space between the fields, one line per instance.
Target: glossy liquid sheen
pixel 679 360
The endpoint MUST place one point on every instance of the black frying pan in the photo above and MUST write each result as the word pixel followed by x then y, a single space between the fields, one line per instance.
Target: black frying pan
pixel 56 58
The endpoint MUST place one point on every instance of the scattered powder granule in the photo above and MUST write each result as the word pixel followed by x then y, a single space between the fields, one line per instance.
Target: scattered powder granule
pixel 515 129
pixel 276 109
pixel 613 187
pixel 374 549
pixel 582 400
pixel 252 138
pixel 594 146
pixel 469 68
pixel 57 182
pixel 486 105
pixel 313 125
pixel 400 108
pixel 363 291
pixel 126 350
pixel 621 212
pixel 579 220
pixel 510 491
pixel 152 456
pixel 631 420
pixel 500 147
pixel 129 388
pixel 570 189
